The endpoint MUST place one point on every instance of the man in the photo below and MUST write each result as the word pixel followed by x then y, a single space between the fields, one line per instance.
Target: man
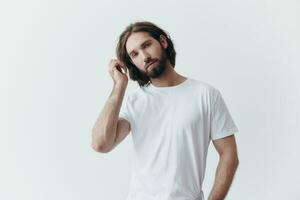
pixel 172 119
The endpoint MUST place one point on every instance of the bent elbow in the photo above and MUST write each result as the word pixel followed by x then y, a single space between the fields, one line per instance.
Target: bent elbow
pixel 236 163
pixel 101 148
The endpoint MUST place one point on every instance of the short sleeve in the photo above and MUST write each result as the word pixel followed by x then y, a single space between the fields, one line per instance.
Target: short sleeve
pixel 124 111
pixel 222 124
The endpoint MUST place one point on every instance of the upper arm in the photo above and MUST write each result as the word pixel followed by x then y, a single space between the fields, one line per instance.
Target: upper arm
pixel 123 129
pixel 226 146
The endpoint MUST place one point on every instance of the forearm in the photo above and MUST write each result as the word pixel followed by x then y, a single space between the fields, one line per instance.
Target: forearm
pixel 104 130
pixel 224 176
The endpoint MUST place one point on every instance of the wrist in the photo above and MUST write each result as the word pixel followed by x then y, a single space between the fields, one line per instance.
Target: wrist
pixel 121 85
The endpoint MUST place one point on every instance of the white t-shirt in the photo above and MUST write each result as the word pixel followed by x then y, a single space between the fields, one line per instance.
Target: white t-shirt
pixel 171 129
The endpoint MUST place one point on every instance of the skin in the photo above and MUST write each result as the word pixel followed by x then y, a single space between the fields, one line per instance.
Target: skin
pixel 227 166
pixel 161 73
pixel 109 130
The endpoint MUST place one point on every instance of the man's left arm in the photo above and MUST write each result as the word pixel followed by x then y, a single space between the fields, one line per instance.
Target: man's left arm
pixel 228 163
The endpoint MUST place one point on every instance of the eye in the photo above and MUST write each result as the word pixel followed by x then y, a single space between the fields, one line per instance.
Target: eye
pixel 133 55
pixel 148 44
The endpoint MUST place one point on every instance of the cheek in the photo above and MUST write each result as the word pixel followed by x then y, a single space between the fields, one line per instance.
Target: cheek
pixel 138 63
pixel 156 52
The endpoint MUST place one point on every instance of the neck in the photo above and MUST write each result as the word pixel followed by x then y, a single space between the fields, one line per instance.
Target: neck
pixel 168 78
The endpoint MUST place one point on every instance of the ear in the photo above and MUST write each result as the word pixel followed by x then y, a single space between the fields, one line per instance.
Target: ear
pixel 163 41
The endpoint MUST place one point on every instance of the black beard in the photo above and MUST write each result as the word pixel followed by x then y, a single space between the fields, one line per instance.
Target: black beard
pixel 160 68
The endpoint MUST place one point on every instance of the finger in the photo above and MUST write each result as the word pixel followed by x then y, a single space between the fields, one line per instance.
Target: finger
pixel 122 67
pixel 119 65
pixel 119 68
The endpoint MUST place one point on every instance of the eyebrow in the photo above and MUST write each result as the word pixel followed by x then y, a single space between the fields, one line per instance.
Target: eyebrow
pixel 140 45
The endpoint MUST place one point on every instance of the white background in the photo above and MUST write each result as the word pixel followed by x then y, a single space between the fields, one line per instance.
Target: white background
pixel 54 83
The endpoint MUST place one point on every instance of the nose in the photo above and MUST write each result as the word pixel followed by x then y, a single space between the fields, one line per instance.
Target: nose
pixel 145 56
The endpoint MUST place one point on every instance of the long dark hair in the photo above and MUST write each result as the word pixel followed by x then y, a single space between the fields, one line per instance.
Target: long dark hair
pixel 155 32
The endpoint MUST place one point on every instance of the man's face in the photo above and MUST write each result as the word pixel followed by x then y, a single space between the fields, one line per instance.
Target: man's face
pixel 147 54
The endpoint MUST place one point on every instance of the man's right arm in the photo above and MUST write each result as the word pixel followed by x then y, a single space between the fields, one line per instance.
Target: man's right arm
pixel 109 130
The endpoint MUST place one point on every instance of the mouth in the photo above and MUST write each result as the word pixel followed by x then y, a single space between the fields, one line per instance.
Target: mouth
pixel 150 64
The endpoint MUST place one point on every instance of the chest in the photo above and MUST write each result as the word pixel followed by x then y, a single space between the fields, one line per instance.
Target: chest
pixel 179 113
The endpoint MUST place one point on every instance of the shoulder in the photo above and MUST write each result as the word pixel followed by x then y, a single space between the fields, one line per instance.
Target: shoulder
pixel 134 93
pixel 207 91
pixel 204 86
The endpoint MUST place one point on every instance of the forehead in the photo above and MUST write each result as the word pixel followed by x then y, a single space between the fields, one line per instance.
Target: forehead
pixel 136 39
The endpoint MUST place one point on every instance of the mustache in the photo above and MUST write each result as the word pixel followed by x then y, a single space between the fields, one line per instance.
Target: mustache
pixel 150 62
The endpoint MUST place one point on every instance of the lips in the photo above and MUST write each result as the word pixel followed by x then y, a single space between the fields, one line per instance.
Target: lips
pixel 150 64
